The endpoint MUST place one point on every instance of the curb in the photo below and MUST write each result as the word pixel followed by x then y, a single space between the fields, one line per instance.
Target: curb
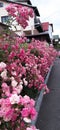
pixel 40 97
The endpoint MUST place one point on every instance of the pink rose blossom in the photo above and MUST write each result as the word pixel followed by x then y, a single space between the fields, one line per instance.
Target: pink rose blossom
pixel 14 99
pixel 4 74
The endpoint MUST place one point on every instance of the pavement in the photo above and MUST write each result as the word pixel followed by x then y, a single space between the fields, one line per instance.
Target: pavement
pixel 49 113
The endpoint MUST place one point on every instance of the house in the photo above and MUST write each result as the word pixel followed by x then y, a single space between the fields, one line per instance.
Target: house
pixel 34 23
pixel 47 27
pixel 3 12
pixel 45 34
pixel 35 29
pixel 56 39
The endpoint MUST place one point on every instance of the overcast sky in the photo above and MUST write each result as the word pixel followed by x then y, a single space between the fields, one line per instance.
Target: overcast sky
pixel 49 12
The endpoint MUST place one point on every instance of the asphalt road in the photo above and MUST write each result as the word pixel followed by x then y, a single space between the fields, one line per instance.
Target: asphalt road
pixel 49 113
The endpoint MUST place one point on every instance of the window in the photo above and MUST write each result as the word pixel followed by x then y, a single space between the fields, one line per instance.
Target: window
pixel 1 4
pixel 4 19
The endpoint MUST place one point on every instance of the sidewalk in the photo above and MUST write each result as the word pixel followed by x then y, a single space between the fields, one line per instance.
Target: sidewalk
pixel 49 114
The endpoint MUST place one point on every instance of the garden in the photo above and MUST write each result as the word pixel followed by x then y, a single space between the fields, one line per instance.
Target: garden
pixel 23 69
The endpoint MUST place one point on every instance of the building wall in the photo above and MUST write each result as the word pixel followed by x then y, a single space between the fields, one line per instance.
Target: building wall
pixel 3 11
pixel 50 31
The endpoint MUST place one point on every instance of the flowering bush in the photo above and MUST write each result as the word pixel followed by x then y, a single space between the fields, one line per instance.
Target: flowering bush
pixel 23 68
pixel 26 65
pixel 19 14
pixel 16 112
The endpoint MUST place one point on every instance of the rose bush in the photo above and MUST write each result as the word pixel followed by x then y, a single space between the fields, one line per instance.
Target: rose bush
pixel 23 68
pixel 27 65
pixel 20 14
pixel 16 112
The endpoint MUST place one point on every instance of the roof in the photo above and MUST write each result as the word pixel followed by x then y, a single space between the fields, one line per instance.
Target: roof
pixel 2 24
pixel 23 4
pixel 28 1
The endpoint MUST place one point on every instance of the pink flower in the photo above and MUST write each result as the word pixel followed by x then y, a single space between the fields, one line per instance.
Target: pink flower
pixel 46 89
pixel 32 102
pixel 8 115
pixel 13 82
pixel 26 99
pixel 25 112
pixel 18 89
pixel 4 108
pixel 20 13
pixel 4 74
pixel 14 99
pixel 33 113
pixel 5 89
pixel 2 65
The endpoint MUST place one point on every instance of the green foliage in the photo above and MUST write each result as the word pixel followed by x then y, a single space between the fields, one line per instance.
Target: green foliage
pixel 35 52
pixel 24 45
pixel 57 46
pixel 32 92
pixel 2 56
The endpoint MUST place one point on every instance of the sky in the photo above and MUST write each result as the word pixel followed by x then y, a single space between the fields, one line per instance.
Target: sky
pixel 49 12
